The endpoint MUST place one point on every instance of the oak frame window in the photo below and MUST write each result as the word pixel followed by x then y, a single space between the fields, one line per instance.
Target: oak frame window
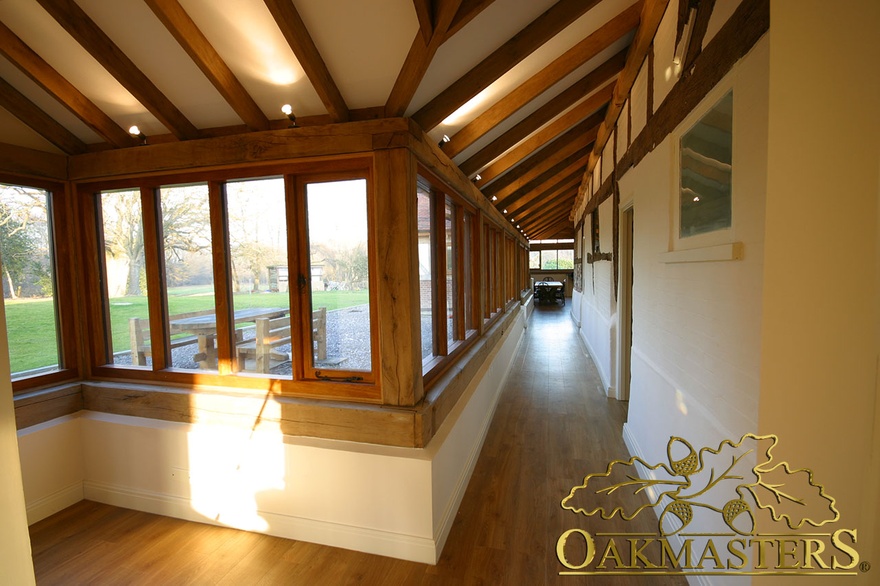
pixel 225 357
pixel 61 279
pixel 448 273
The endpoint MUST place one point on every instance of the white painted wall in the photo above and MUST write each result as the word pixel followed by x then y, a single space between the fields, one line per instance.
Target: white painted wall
pixel 821 331
pixel 397 502
pixel 696 325
pixel 16 566
pixel 597 305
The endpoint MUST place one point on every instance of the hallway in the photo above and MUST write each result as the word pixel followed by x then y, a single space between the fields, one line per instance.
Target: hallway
pixel 552 426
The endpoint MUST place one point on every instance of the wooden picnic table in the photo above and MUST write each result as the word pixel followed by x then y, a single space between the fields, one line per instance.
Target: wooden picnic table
pixel 205 328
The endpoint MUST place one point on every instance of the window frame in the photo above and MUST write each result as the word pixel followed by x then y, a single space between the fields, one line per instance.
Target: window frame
pixel 300 383
pixel 60 218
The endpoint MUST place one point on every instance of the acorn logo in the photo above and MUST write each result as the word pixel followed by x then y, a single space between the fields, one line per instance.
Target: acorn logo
pixel 735 482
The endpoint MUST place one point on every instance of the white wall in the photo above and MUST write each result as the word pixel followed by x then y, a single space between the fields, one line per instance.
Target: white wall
pixel 397 502
pixel 697 325
pixel 16 566
pixel 820 348
pixel 597 305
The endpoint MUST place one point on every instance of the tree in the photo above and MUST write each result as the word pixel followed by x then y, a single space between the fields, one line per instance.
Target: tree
pixel 24 238
pixel 16 249
pixel 124 233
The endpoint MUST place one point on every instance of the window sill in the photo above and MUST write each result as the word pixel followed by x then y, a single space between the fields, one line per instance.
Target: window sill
pixel 721 252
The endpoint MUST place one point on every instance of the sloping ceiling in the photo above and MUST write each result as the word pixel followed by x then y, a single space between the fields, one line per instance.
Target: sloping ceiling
pixel 520 87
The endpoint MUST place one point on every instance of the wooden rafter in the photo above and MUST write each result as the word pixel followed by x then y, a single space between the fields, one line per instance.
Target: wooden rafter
pixel 562 66
pixel 533 188
pixel 545 193
pixel 300 41
pixel 561 147
pixel 417 60
pixel 559 127
pixel 571 95
pixel 520 46
pixel 87 33
pixel 425 14
pixel 46 126
pixel 194 42
pixel 32 65
pixel 557 214
pixel 549 167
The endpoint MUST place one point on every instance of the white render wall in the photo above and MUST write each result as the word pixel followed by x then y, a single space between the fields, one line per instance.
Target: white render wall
pixel 398 502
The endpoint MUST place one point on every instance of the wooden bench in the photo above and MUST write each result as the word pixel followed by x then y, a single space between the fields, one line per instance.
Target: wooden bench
pixel 139 331
pixel 271 334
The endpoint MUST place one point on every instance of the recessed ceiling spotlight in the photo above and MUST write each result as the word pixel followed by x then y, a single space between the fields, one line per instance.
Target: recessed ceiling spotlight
pixel 494 198
pixel 478 177
pixel 503 211
pixel 444 140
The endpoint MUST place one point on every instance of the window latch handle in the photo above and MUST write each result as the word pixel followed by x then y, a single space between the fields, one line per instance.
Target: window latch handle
pixel 302 283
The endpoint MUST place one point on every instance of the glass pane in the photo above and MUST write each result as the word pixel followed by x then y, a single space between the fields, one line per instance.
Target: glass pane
pixel 548 259
pixel 28 280
pixel 125 283
pixel 534 259
pixel 189 276
pixel 565 259
pixel 340 278
pixel 426 255
pixel 256 217
pixel 706 166
pixel 468 268
pixel 451 280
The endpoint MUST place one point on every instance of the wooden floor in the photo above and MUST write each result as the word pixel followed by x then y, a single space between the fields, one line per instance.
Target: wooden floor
pixel 552 426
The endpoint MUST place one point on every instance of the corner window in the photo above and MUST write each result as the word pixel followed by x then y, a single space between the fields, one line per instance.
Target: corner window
pixel 29 285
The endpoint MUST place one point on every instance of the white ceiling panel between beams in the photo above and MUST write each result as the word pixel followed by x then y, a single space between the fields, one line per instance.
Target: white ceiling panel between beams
pixel 363 44
pixel 246 37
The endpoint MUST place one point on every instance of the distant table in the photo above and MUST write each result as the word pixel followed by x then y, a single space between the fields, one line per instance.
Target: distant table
pixel 205 328
pixel 546 291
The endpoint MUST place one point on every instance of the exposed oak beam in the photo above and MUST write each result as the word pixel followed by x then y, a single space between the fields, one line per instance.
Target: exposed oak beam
pixel 586 85
pixel 43 124
pixel 299 39
pixel 537 185
pixel 562 147
pixel 700 26
pixel 547 192
pixel 88 34
pixel 557 214
pixel 425 14
pixel 520 46
pixel 536 176
pixel 32 65
pixel 588 48
pixel 417 61
pixel 194 42
pixel 587 127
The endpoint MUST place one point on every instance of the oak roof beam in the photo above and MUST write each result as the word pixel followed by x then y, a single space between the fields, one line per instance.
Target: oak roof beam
pixel 587 127
pixel 43 124
pixel 32 65
pixel 200 50
pixel 294 30
pixel 417 61
pixel 582 52
pixel 571 95
pixel 88 34
pixel 517 48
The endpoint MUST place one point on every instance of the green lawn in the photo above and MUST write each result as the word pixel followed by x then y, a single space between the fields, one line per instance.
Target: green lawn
pixel 31 324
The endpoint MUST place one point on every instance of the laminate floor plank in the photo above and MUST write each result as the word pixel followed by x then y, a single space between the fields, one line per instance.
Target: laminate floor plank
pixel 552 426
